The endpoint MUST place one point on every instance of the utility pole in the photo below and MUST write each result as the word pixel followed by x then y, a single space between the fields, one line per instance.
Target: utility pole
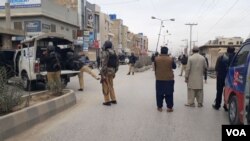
pixel 6 39
pixel 194 43
pixel 191 25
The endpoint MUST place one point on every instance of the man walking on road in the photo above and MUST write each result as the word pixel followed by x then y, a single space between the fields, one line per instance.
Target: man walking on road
pixel 164 75
pixel 110 64
pixel 205 72
pixel 194 77
pixel 132 60
pixel 184 60
pixel 221 69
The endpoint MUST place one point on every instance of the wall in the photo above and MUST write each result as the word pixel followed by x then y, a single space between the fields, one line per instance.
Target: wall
pixel 105 28
pixel 49 13
pixel 124 36
pixel 117 31
pixel 53 10
pixel 66 30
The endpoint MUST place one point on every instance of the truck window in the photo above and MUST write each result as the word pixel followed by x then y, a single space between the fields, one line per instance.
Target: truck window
pixel 241 57
pixel 28 44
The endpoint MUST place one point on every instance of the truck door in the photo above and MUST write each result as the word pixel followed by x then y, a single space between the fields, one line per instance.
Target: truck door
pixel 247 96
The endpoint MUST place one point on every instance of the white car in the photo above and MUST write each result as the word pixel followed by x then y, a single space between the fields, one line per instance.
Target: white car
pixel 28 58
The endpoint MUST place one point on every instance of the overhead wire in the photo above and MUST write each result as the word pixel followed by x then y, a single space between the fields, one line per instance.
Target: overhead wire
pixel 244 15
pixel 224 15
pixel 199 10
pixel 221 18
pixel 206 9
pixel 213 6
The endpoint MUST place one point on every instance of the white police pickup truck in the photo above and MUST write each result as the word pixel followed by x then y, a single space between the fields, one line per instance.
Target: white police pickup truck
pixel 27 64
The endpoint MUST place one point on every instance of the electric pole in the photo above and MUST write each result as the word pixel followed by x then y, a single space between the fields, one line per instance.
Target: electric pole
pixel 191 25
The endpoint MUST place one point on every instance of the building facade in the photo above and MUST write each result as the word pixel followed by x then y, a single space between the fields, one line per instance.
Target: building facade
pixel 226 41
pixel 214 48
pixel 117 31
pixel 105 28
pixel 124 38
pixel 42 17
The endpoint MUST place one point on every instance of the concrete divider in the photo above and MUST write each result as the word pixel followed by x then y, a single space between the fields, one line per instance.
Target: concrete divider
pixel 19 121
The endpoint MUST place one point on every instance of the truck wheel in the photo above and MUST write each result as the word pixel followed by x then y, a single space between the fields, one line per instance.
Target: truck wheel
pixel 26 82
pixel 233 112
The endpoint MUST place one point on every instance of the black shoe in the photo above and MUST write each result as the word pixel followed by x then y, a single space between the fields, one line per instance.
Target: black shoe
pixel 106 103
pixel 128 73
pixel 216 108
pixel 159 109
pixel 113 102
pixel 80 89
pixel 200 105
pixel 225 108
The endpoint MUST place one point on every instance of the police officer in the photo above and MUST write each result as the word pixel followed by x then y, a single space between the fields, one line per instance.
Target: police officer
pixel 221 69
pixel 110 63
pixel 132 60
pixel 53 67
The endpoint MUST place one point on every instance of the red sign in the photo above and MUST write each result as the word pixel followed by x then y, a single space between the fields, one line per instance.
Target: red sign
pixel 96 44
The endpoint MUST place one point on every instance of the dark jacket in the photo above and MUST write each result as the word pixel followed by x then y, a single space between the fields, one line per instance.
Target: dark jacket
pixel 164 66
pixel 222 64
pixel 132 59
pixel 52 61
pixel 206 61
pixel 75 61
pixel 184 60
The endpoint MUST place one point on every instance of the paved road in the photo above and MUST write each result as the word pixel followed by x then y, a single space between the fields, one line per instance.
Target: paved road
pixel 134 118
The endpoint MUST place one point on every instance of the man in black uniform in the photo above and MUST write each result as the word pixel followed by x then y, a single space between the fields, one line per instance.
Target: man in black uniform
pixel 221 69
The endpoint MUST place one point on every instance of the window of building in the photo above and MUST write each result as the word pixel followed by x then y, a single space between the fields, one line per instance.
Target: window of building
pixel 67 29
pixel 62 28
pixel 220 43
pixel 53 28
pixel 18 26
pixel 237 42
pixel 74 34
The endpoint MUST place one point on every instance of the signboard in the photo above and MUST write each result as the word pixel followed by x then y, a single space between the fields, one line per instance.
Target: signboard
pixel 21 3
pixel 32 26
pixel 85 40
pixel 90 18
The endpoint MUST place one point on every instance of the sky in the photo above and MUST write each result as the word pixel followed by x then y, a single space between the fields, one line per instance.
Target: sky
pixel 214 18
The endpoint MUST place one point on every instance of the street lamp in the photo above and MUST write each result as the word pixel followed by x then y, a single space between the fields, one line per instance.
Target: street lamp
pixel 164 37
pixel 160 28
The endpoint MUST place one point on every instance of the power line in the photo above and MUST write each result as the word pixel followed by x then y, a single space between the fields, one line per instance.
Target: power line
pixel 155 9
pixel 244 15
pixel 221 18
pixel 212 7
pixel 205 10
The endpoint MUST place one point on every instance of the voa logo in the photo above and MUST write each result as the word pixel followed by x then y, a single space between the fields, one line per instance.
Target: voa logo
pixel 236 132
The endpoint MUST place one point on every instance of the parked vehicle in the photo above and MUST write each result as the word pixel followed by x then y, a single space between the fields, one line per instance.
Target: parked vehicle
pixel 26 61
pixel 237 89
pixel 6 61
pixel 122 58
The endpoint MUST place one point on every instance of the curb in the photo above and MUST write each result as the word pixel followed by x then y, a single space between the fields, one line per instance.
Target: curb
pixel 19 121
